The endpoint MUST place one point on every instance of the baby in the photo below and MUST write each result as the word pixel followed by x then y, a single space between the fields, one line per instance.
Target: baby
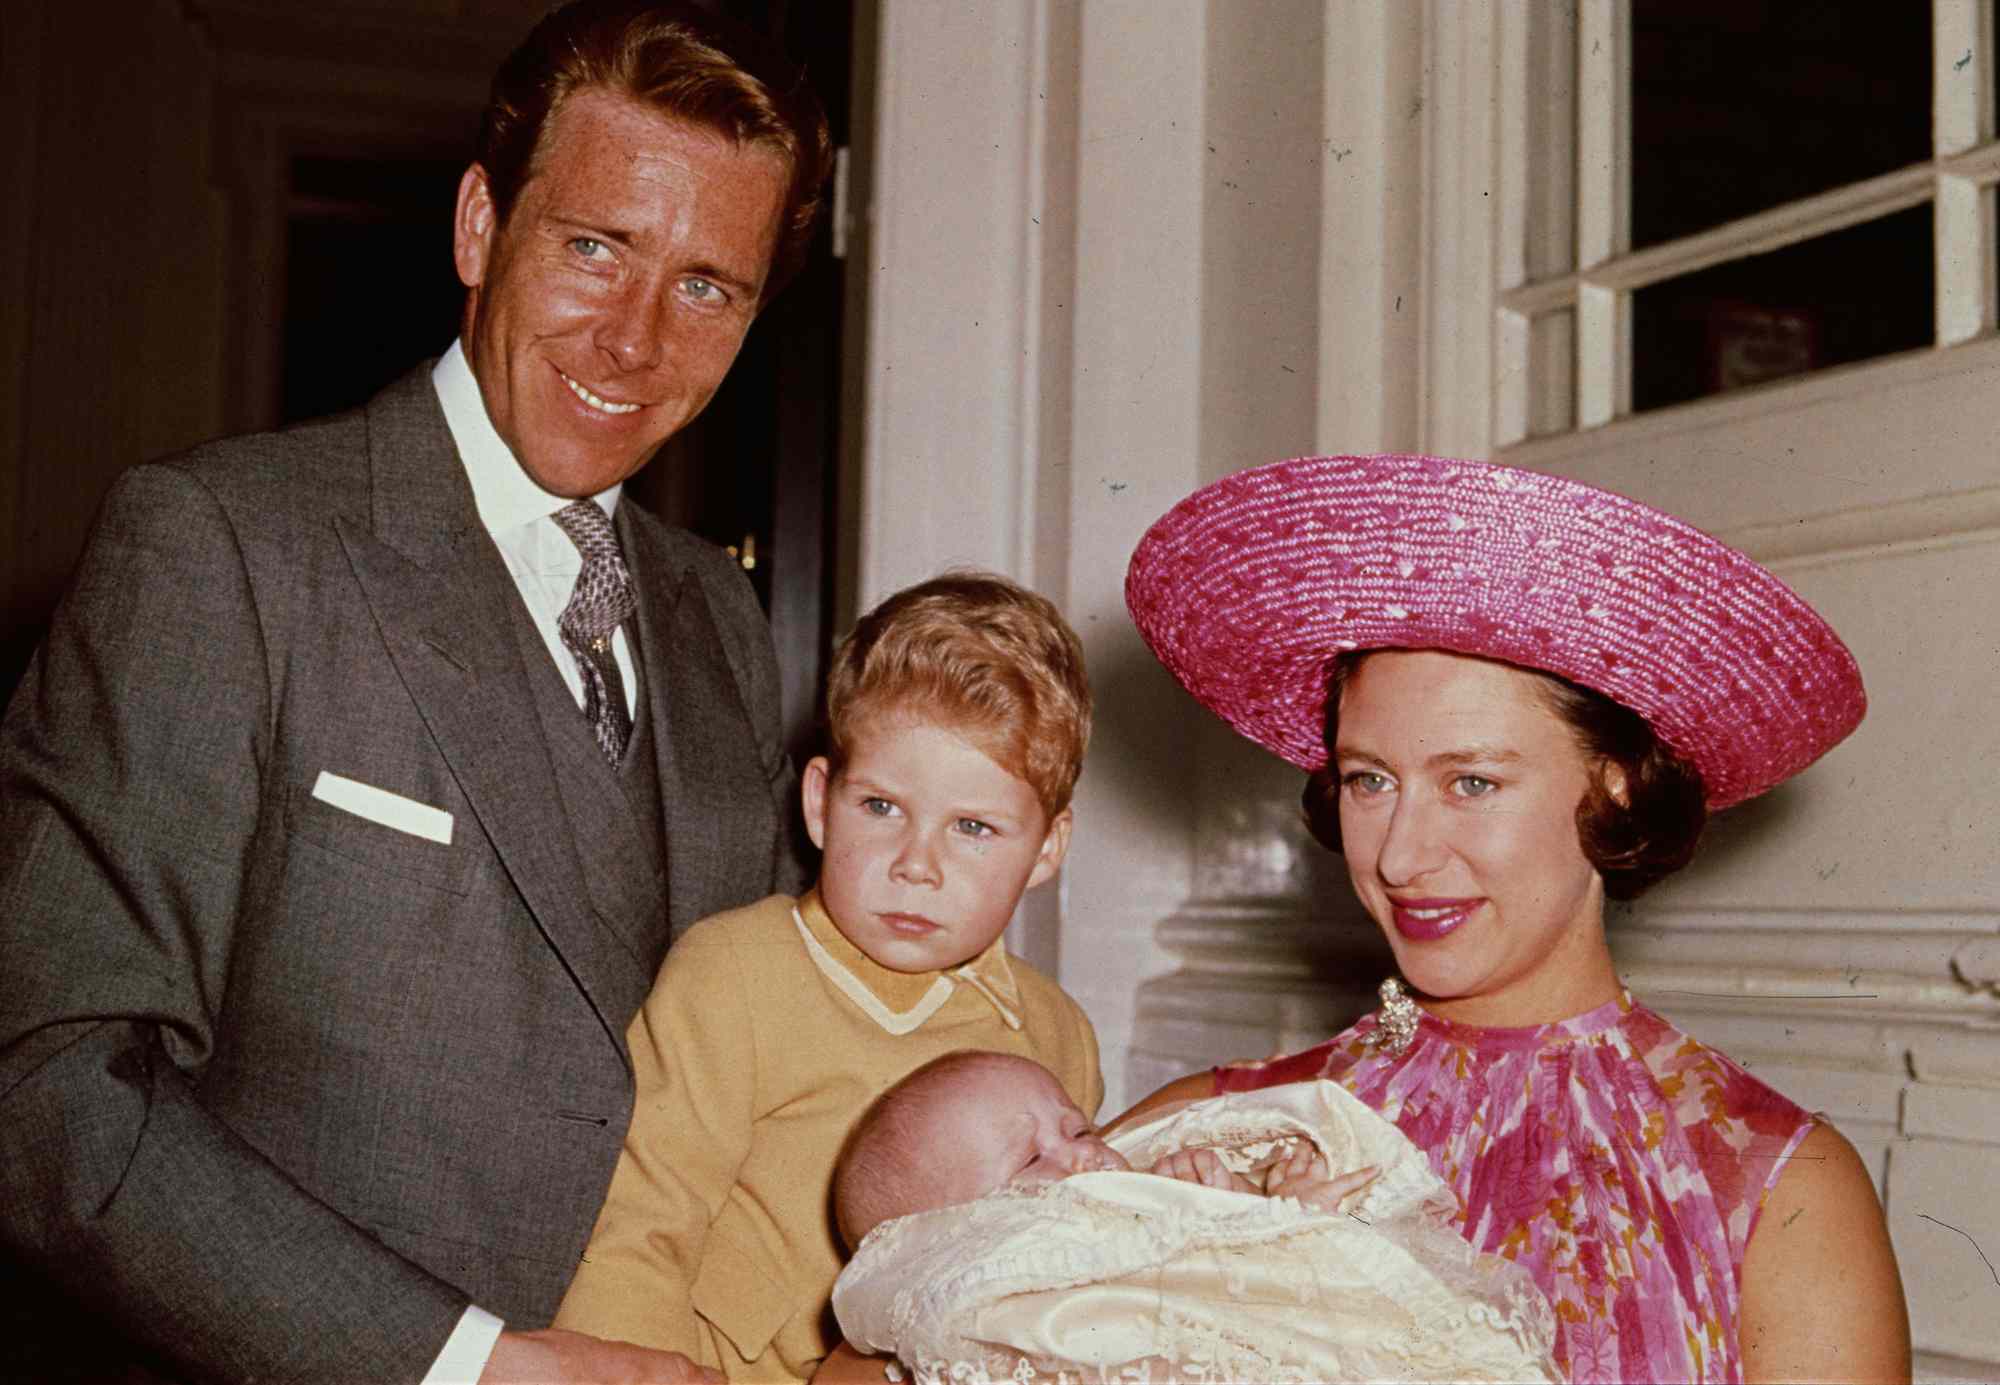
pixel 998 1237
pixel 1004 1121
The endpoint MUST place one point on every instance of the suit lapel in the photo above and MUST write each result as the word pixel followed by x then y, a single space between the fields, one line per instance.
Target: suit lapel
pixel 703 738
pixel 443 600
pixel 662 589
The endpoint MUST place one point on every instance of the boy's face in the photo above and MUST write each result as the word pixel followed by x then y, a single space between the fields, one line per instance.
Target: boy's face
pixel 928 843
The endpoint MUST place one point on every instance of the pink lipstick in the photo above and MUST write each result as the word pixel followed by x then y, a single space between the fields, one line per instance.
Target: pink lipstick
pixel 1427 920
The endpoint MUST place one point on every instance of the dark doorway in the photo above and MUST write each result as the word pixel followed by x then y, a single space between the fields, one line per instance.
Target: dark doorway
pixel 369 287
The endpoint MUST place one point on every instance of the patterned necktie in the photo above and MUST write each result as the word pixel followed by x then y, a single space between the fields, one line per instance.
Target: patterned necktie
pixel 601 602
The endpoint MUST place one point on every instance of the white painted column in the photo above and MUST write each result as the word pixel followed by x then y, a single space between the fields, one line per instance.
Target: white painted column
pixel 954 244
pixel 1134 448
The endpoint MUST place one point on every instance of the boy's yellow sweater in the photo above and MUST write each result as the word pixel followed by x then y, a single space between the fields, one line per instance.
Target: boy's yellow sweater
pixel 766 1037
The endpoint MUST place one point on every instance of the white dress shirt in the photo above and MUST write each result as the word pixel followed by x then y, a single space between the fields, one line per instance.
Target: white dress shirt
pixel 517 513
pixel 544 565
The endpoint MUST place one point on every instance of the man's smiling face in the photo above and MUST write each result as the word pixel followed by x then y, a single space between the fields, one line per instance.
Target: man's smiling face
pixel 603 315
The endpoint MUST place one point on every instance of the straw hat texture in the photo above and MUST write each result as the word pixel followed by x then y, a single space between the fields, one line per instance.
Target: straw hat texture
pixel 1249 588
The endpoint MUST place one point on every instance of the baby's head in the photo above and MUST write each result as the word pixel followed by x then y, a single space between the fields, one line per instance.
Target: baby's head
pixel 957 716
pixel 957 1128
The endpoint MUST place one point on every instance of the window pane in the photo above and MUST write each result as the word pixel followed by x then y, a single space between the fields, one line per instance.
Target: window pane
pixel 1740 105
pixel 1858 293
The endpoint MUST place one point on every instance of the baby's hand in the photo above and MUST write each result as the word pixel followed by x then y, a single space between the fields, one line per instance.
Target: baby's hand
pixel 1204 1167
pixel 1302 1174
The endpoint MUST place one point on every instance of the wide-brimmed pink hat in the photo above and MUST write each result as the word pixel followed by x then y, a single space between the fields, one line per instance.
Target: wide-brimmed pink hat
pixel 1248 589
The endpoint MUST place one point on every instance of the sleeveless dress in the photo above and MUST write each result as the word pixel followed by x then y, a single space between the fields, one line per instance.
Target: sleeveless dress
pixel 1619 1160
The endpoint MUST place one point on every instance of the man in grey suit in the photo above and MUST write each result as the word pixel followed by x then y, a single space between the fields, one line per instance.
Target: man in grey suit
pixel 348 808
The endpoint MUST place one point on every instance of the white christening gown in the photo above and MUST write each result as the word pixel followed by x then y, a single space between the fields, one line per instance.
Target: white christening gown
pixel 1133 1277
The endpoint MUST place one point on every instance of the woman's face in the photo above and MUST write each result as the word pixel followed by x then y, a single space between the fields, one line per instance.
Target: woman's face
pixel 1458 794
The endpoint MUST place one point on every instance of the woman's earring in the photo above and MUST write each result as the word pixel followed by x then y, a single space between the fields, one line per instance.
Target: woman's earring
pixel 1396 1021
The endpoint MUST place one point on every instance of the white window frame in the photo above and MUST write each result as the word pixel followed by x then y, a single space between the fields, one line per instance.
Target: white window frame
pixel 1532 379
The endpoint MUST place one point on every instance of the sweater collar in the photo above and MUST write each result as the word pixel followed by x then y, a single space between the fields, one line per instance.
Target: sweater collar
pixel 901 1001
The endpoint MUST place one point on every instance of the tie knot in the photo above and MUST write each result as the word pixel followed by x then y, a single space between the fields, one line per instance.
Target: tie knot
pixel 603 598
pixel 589 528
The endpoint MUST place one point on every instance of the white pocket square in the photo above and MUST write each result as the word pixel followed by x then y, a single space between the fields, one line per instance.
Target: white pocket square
pixel 379 805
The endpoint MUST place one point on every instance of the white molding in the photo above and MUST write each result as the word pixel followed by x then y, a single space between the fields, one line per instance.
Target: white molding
pixel 1963 240
pixel 952 325
pixel 1603 355
pixel 1972 921
pixel 1649 432
pixel 1371 285
pixel 1603 131
pixel 1866 533
pixel 1131 407
pixel 1461 220
pixel 1961 75
pixel 1025 443
pixel 1734 240
pixel 1902 963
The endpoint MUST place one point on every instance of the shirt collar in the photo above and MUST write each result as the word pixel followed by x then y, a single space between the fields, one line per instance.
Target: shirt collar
pixel 901 1001
pixel 507 499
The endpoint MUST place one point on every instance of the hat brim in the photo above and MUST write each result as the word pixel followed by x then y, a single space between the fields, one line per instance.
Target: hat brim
pixel 1249 589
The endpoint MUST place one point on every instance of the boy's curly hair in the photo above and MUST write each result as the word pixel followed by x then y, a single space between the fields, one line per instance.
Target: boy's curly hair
pixel 984 655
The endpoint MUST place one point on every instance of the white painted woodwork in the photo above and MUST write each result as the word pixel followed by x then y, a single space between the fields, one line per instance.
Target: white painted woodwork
pixel 953 257
pixel 1961 73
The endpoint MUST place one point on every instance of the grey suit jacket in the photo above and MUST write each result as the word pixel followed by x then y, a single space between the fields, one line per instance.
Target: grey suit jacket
pixel 283 1089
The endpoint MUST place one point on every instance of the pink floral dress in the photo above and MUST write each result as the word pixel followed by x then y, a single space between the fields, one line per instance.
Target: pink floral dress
pixel 1621 1161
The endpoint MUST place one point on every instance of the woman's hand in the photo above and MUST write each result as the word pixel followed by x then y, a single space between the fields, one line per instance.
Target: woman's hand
pixel 1301 1173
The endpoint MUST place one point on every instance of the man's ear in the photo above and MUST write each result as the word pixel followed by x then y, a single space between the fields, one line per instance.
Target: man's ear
pixel 812 797
pixel 1055 846
pixel 472 227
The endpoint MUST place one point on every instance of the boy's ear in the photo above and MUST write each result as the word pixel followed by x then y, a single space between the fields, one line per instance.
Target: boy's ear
pixel 812 797
pixel 1055 845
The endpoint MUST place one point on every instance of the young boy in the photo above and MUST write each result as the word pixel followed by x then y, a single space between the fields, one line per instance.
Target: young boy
pixel 988 1260
pixel 957 713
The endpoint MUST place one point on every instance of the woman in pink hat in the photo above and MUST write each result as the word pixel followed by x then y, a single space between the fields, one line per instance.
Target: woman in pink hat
pixel 1515 697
